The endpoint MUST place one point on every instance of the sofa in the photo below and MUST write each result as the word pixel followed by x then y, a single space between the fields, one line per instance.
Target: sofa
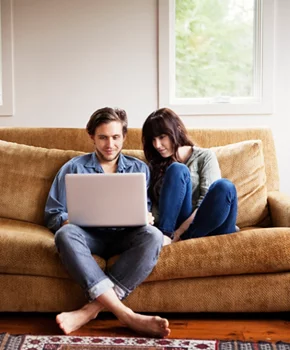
pixel 247 271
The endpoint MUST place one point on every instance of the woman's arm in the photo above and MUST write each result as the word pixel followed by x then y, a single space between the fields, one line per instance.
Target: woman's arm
pixel 209 172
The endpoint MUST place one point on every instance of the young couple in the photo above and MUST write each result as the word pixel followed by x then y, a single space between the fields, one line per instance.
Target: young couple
pixel 189 200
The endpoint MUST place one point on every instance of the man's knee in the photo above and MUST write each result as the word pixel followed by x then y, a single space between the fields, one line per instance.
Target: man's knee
pixel 64 235
pixel 152 235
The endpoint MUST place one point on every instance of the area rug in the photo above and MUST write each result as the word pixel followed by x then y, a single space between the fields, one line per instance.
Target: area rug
pixel 30 342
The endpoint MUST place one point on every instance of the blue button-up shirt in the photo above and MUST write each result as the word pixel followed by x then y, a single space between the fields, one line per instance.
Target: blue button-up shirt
pixel 56 208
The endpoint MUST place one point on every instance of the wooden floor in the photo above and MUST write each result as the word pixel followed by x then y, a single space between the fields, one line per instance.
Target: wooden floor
pixel 251 327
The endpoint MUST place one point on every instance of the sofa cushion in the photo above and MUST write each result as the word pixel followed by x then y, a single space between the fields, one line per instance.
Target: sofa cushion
pixel 29 249
pixel 137 153
pixel 245 252
pixel 26 175
pixel 243 164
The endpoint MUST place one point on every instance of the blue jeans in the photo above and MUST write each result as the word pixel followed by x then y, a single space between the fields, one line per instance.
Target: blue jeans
pixel 216 215
pixel 138 249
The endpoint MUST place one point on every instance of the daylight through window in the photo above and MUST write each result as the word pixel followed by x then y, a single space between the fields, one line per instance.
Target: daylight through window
pixel 214 53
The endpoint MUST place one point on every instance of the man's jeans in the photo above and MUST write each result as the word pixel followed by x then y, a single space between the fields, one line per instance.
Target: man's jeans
pixel 216 215
pixel 139 248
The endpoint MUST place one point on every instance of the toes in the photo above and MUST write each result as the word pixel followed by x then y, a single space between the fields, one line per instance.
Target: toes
pixel 168 331
pixel 165 323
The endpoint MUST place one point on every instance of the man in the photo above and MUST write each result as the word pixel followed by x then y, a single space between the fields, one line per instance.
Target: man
pixel 139 247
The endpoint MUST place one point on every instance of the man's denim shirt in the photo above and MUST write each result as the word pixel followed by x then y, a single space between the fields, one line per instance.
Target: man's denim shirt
pixel 56 208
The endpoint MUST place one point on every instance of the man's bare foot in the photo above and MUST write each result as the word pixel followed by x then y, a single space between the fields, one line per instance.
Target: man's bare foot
pixel 71 321
pixel 148 325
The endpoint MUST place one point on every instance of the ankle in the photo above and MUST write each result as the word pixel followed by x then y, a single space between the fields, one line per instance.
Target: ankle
pixel 125 316
pixel 92 309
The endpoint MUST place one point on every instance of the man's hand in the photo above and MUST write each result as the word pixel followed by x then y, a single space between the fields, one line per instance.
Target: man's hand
pixel 150 218
pixel 166 240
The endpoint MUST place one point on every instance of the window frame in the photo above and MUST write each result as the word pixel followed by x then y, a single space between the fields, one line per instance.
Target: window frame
pixel 7 106
pixel 262 104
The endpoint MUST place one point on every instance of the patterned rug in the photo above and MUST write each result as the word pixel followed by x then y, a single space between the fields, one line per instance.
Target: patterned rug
pixel 30 342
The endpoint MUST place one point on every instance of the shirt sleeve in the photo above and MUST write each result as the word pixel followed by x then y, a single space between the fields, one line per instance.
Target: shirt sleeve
pixel 209 172
pixel 149 202
pixel 55 212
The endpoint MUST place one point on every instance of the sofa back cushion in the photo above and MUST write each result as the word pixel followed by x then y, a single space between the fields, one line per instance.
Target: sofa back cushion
pixel 26 174
pixel 243 164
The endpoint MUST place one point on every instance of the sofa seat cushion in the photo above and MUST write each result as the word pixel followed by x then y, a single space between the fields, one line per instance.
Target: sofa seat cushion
pixel 28 249
pixel 247 252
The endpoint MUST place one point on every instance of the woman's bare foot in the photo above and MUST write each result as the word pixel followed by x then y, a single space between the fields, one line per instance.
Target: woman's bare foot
pixel 71 321
pixel 147 325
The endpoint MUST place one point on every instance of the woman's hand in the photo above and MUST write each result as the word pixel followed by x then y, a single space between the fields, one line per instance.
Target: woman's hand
pixel 65 223
pixel 150 218
pixel 183 227
pixel 176 237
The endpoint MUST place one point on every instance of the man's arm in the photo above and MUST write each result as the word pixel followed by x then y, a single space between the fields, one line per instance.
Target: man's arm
pixel 55 212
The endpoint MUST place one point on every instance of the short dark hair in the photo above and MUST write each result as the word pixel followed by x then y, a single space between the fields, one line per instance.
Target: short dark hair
pixel 107 115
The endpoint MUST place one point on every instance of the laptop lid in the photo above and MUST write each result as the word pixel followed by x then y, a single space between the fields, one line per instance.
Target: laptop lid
pixel 107 200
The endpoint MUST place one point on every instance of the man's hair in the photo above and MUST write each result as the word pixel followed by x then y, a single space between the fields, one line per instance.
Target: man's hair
pixel 107 115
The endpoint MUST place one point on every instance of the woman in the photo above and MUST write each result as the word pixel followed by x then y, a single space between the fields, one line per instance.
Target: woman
pixel 189 197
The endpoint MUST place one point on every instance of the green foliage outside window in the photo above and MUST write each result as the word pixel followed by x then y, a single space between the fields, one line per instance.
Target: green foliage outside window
pixel 214 48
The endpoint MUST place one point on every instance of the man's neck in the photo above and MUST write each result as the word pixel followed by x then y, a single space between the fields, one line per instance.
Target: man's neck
pixel 109 167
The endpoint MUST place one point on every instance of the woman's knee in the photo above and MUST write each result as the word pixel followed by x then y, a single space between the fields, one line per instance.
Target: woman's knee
pixel 224 186
pixel 177 169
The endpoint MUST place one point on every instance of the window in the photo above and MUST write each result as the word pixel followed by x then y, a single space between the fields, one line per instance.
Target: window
pixel 6 64
pixel 216 56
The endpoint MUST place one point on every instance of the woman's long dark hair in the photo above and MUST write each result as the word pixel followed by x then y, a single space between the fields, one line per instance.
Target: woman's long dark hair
pixel 162 122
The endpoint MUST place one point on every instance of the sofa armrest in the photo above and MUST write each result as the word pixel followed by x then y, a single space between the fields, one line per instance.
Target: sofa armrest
pixel 279 206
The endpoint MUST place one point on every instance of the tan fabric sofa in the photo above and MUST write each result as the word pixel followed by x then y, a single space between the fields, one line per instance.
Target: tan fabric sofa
pixel 247 271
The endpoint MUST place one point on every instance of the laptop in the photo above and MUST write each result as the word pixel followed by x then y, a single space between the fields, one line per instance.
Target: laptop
pixel 107 200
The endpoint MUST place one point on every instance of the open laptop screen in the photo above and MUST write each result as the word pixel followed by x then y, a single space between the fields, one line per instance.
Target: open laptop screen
pixel 107 200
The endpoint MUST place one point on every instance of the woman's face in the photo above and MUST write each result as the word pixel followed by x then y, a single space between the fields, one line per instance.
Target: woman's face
pixel 163 145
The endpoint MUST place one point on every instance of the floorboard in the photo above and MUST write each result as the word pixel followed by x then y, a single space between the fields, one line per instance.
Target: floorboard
pixel 250 327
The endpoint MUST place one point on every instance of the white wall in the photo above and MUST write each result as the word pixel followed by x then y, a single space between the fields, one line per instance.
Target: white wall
pixel 74 56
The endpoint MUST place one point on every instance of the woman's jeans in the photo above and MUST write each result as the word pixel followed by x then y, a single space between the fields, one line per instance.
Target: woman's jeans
pixel 138 249
pixel 216 214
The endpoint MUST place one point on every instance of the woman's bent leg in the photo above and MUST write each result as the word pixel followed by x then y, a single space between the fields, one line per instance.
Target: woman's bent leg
pixel 217 213
pixel 175 202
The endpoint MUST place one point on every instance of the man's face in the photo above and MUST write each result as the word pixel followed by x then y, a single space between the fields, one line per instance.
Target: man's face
pixel 108 141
